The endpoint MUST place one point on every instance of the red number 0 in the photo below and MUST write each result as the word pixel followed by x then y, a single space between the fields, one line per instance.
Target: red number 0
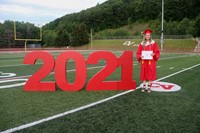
pixel 60 71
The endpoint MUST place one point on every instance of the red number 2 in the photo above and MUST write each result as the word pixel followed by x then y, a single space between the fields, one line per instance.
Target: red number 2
pixel 96 82
pixel 34 83
pixel 125 61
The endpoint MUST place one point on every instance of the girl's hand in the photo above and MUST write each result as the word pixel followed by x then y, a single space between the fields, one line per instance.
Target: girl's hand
pixel 141 57
pixel 152 54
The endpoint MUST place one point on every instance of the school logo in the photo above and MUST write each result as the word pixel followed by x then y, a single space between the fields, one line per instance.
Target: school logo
pixel 164 87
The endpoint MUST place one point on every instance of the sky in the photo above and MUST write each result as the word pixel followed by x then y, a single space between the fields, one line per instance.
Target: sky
pixel 41 12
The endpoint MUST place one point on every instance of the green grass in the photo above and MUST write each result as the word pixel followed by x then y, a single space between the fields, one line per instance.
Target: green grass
pixel 133 112
pixel 138 112
pixel 170 45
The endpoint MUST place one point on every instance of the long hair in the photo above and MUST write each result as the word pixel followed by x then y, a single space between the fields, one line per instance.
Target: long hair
pixel 145 41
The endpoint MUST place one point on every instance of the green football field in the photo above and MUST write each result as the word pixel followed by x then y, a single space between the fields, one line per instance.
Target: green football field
pixel 101 111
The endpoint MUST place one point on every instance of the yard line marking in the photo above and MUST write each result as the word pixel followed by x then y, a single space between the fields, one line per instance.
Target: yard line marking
pixel 85 106
pixel 54 54
pixel 26 76
pixel 189 68
pixel 171 68
pixel 42 62
pixel 13 85
pixel 158 66
pixel 88 54
pixel 176 57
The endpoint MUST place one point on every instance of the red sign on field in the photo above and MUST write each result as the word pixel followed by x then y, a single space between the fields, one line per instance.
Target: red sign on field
pixel 97 82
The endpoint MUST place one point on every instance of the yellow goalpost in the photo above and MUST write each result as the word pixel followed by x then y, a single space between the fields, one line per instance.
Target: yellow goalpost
pixel 25 39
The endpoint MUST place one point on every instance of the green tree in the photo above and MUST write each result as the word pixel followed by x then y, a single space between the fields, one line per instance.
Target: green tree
pixel 62 38
pixel 2 30
pixel 183 26
pixel 80 35
pixel 49 37
pixel 196 32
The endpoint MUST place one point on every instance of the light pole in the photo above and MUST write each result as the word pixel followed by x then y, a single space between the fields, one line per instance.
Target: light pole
pixel 162 41
pixel 91 38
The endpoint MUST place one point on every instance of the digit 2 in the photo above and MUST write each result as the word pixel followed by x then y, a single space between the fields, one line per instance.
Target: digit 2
pixel 34 83
pixel 125 61
pixel 97 81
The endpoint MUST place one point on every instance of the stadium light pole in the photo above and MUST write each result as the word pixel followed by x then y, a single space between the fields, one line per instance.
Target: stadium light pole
pixel 162 41
pixel 91 36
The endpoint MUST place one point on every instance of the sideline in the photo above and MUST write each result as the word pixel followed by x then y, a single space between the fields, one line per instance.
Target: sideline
pixel 85 106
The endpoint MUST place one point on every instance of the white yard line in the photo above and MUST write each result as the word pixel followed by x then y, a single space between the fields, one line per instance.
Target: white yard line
pixel 85 106
pixel 26 76
pixel 16 65
pixel 158 66
pixel 42 62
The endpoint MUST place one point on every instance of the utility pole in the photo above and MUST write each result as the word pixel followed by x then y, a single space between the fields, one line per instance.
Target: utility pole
pixel 91 37
pixel 162 41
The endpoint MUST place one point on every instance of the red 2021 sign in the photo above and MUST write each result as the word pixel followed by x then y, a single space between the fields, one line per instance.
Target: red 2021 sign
pixel 125 61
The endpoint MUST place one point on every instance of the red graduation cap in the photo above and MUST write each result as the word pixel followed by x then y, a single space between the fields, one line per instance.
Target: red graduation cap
pixel 147 31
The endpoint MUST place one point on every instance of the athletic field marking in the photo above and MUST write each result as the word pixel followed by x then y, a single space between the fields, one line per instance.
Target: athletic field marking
pixel 54 54
pixel 88 54
pixel 171 68
pixel 176 57
pixel 5 75
pixel 85 106
pixel 42 62
pixel 13 85
pixel 74 69
pixel 26 76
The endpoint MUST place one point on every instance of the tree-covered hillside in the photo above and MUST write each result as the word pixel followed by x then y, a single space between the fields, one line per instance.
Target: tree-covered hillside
pixel 116 13
pixel 23 31
pixel 182 17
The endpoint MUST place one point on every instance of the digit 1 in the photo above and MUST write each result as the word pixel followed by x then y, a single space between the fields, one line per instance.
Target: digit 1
pixel 60 71
pixel 126 63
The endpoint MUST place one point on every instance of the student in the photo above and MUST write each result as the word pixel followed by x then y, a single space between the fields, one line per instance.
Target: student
pixel 148 65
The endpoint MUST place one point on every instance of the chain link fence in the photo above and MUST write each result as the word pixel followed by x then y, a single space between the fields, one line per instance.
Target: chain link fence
pixel 140 37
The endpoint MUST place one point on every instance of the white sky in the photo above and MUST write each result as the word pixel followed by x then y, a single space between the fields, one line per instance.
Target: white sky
pixel 41 11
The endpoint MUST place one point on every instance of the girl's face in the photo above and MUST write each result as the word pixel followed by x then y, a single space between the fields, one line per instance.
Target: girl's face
pixel 147 37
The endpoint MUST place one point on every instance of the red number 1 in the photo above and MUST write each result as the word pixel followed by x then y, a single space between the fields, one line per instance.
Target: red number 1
pixel 126 63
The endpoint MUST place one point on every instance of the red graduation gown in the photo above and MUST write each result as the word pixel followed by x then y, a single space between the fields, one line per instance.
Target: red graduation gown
pixel 148 67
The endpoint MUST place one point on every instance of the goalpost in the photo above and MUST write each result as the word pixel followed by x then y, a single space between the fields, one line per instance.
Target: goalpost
pixel 26 39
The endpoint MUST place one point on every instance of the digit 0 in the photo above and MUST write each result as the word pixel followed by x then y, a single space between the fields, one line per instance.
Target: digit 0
pixel 60 71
